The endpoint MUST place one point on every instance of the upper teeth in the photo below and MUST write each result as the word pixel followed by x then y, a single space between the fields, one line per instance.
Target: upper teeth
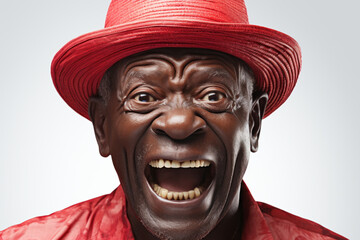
pixel 176 164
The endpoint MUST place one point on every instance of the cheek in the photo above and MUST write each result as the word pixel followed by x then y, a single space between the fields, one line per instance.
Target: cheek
pixel 124 134
pixel 232 129
pixel 126 130
pixel 241 139
pixel 234 132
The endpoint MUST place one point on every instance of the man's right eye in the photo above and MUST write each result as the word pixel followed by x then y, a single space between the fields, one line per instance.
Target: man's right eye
pixel 144 97
pixel 213 96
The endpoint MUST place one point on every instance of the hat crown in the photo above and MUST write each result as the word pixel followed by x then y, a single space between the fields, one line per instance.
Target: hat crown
pixel 226 11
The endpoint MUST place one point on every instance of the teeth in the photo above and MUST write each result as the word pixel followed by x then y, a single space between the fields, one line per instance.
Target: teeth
pixel 176 164
pixel 191 194
pixel 168 164
pixel 197 192
pixel 163 192
pixel 169 195
pixel 166 194
pixel 175 195
pixel 197 163
pixel 185 164
pixel 161 163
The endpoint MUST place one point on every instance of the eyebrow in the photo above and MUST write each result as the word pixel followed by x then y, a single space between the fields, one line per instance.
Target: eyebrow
pixel 221 76
pixel 219 70
pixel 220 73
pixel 133 76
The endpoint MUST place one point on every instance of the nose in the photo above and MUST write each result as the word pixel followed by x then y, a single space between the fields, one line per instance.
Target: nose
pixel 179 124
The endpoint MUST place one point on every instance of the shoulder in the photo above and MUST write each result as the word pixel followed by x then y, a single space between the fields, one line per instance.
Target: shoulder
pixel 68 223
pixel 283 224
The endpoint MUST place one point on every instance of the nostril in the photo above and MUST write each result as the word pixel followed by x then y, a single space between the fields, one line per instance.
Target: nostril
pixel 159 132
pixel 198 131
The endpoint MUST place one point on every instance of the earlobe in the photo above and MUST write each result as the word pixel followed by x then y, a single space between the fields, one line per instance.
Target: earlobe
pixel 97 115
pixel 256 115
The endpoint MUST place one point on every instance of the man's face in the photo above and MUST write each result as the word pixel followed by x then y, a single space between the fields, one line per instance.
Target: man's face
pixel 179 128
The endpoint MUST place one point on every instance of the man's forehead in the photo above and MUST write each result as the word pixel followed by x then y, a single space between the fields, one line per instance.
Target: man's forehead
pixel 180 53
pixel 178 59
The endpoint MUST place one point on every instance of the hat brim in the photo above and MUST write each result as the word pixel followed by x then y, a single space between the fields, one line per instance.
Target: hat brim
pixel 274 57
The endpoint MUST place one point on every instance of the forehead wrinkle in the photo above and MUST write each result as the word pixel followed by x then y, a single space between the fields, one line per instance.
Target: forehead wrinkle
pixel 170 62
pixel 187 64
pixel 219 71
pixel 129 78
pixel 133 76
pixel 153 57
pixel 218 62
pixel 228 62
pixel 177 64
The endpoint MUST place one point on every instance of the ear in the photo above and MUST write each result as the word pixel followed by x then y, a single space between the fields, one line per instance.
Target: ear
pixel 256 115
pixel 97 110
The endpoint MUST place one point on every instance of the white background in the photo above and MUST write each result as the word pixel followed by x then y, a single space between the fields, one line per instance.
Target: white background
pixel 308 160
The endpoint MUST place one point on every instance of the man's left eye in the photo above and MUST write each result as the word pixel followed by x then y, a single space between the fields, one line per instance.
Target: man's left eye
pixel 213 96
pixel 144 97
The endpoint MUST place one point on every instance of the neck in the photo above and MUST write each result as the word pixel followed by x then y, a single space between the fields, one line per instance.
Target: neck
pixel 229 226
pixel 138 229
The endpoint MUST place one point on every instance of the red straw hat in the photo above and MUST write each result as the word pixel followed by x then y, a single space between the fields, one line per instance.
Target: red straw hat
pixel 135 26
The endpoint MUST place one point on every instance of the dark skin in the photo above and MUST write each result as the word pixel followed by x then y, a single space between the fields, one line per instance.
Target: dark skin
pixel 180 105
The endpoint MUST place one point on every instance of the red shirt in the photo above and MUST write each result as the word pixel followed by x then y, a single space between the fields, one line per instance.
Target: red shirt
pixel 104 218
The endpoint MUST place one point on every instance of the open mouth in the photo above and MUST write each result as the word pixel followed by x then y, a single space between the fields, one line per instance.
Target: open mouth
pixel 179 180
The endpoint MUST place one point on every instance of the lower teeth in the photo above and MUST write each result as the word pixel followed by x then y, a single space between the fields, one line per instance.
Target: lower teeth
pixel 170 195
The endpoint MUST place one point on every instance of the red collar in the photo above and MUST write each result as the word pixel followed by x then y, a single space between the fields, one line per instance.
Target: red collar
pixel 253 223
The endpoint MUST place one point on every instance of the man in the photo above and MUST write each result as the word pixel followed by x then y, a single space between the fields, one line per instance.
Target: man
pixel 176 92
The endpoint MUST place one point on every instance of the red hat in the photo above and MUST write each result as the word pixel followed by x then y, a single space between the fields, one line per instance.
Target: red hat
pixel 135 26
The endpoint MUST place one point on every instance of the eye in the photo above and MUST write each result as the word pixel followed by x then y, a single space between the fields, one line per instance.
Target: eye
pixel 144 97
pixel 213 96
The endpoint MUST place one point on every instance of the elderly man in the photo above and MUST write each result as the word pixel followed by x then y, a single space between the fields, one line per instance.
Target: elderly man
pixel 176 92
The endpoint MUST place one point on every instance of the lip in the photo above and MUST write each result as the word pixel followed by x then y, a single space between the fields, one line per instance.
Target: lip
pixel 181 157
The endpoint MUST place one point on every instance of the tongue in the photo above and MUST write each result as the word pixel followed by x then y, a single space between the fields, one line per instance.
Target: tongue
pixel 179 179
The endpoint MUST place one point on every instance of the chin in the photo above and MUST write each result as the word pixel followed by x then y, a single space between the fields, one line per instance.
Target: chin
pixel 182 195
